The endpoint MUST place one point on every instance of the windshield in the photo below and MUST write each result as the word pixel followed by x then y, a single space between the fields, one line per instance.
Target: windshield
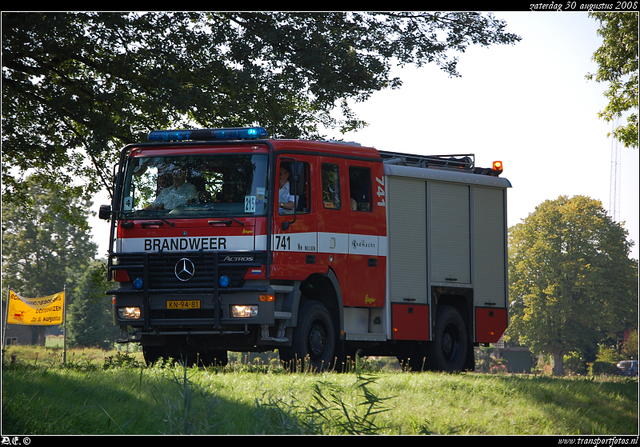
pixel 196 185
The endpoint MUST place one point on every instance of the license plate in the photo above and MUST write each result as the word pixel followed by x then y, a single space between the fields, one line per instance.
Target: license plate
pixel 183 304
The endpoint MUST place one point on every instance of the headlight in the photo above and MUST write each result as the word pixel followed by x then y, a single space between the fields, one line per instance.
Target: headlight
pixel 129 313
pixel 244 311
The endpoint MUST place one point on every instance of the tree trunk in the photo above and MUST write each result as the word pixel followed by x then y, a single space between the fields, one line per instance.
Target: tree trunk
pixel 558 366
pixel 42 335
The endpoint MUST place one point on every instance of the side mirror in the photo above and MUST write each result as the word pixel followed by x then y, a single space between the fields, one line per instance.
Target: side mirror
pixel 105 212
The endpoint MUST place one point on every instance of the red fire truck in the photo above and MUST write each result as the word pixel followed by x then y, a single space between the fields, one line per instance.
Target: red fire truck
pixel 225 240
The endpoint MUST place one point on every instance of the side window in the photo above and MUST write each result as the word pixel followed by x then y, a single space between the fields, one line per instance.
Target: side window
pixel 293 178
pixel 331 186
pixel 360 188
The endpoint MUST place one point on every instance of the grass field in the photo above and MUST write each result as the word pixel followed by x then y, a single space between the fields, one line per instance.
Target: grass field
pixel 111 393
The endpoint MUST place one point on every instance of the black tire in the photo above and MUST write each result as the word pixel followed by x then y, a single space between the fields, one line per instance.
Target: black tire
pixel 448 350
pixel 314 339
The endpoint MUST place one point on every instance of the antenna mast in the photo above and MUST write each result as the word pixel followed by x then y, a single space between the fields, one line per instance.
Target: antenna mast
pixel 614 186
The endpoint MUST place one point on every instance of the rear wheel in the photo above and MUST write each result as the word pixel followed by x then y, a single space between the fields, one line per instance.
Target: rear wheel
pixel 314 339
pixel 448 350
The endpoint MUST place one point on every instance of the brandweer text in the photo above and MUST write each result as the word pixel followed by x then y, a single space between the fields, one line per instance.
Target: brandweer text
pixel 191 243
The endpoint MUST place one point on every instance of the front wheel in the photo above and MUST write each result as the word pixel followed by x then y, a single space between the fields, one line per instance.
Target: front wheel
pixel 448 350
pixel 314 339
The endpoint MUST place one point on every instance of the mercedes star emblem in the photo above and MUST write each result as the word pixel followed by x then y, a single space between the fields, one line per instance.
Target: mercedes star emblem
pixel 185 269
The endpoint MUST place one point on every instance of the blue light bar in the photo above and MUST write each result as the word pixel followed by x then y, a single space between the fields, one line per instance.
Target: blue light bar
pixel 231 133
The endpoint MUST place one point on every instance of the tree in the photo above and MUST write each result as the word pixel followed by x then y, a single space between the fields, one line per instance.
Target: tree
pixel 89 319
pixel 630 344
pixel 572 283
pixel 617 60
pixel 41 250
pixel 79 86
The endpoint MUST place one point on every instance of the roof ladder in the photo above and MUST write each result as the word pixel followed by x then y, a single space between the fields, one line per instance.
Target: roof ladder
pixel 464 162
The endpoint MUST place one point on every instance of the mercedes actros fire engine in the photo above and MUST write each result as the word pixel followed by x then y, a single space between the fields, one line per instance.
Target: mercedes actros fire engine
pixel 226 240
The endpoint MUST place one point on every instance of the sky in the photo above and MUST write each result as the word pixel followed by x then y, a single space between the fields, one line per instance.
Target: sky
pixel 528 105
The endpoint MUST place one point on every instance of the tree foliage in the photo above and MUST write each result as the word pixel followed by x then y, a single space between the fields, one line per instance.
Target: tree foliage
pixel 41 250
pixel 617 60
pixel 630 344
pixel 572 283
pixel 79 86
pixel 89 318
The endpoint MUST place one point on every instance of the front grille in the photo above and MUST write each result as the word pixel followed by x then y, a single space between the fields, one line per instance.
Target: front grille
pixel 161 269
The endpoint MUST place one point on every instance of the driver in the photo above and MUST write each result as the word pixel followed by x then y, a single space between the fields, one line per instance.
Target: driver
pixel 180 193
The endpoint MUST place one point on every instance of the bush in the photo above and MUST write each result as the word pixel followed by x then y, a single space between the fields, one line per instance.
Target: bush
pixel 574 364
pixel 608 354
pixel 599 367
pixel 121 360
pixel 486 363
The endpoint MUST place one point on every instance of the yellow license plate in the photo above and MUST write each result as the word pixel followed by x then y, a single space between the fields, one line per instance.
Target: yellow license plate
pixel 184 304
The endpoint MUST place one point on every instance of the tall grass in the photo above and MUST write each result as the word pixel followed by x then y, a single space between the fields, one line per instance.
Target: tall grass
pixel 121 396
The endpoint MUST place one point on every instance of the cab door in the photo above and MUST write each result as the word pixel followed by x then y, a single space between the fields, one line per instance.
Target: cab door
pixel 366 263
pixel 294 241
pixel 333 219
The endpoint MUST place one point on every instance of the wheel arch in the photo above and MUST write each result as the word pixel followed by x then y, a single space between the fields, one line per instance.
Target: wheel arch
pixel 461 299
pixel 324 288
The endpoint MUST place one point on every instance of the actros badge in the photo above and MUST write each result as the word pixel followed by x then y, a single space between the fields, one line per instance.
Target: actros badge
pixel 185 269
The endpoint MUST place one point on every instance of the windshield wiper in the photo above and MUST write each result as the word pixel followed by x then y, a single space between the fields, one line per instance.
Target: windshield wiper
pixel 224 215
pixel 146 224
